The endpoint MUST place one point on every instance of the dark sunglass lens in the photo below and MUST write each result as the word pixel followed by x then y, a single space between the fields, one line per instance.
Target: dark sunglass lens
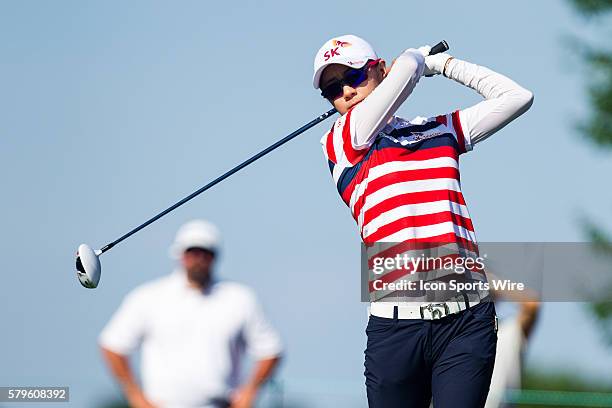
pixel 354 77
pixel 332 90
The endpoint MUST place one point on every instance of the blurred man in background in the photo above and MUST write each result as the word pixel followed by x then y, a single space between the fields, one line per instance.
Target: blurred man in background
pixel 193 330
pixel 513 335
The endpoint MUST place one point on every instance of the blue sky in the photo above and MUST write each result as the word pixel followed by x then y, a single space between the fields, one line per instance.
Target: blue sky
pixel 111 111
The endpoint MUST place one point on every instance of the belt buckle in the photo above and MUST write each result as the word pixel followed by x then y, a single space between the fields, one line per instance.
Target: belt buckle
pixel 436 310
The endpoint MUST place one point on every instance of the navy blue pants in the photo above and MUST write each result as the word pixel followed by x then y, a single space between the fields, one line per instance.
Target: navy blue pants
pixel 407 362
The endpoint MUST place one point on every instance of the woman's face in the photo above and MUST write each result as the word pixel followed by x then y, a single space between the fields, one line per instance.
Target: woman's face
pixel 351 96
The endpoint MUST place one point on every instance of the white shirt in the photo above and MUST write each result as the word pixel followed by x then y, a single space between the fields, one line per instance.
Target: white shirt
pixel 191 340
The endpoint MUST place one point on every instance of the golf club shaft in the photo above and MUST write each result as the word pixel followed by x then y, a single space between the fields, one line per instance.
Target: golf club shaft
pixel 223 177
pixel 440 47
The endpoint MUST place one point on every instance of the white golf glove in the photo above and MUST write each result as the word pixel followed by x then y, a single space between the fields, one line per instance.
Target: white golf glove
pixel 434 64
pixel 424 50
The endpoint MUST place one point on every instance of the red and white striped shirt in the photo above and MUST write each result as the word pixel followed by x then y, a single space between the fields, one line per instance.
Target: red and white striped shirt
pixel 401 178
pixel 406 185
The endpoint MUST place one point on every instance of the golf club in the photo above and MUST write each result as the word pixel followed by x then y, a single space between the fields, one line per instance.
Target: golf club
pixel 87 260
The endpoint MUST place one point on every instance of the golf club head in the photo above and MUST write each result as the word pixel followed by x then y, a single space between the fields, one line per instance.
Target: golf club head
pixel 88 266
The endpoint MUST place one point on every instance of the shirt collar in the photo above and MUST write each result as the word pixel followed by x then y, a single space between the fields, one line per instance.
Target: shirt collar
pixel 390 124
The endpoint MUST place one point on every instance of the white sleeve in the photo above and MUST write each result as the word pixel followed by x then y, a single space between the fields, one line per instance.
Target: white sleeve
pixel 505 100
pixel 262 341
pixel 372 114
pixel 125 330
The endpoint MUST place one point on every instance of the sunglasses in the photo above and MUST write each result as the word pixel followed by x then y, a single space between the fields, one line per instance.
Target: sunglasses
pixel 352 77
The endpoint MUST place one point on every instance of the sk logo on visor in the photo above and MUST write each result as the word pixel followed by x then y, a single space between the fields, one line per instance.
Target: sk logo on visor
pixel 334 51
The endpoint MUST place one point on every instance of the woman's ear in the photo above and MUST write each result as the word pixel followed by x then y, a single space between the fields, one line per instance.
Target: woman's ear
pixel 384 69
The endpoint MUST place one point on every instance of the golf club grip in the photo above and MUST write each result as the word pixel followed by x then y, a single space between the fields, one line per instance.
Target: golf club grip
pixel 439 47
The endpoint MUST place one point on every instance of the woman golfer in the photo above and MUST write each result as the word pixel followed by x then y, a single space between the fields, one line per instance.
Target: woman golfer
pixel 400 180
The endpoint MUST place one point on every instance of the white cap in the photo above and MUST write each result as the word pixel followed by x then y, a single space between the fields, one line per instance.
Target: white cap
pixel 348 50
pixel 195 234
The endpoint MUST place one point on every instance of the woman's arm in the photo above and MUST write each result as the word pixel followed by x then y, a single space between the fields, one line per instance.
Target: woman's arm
pixel 505 100
pixel 373 113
